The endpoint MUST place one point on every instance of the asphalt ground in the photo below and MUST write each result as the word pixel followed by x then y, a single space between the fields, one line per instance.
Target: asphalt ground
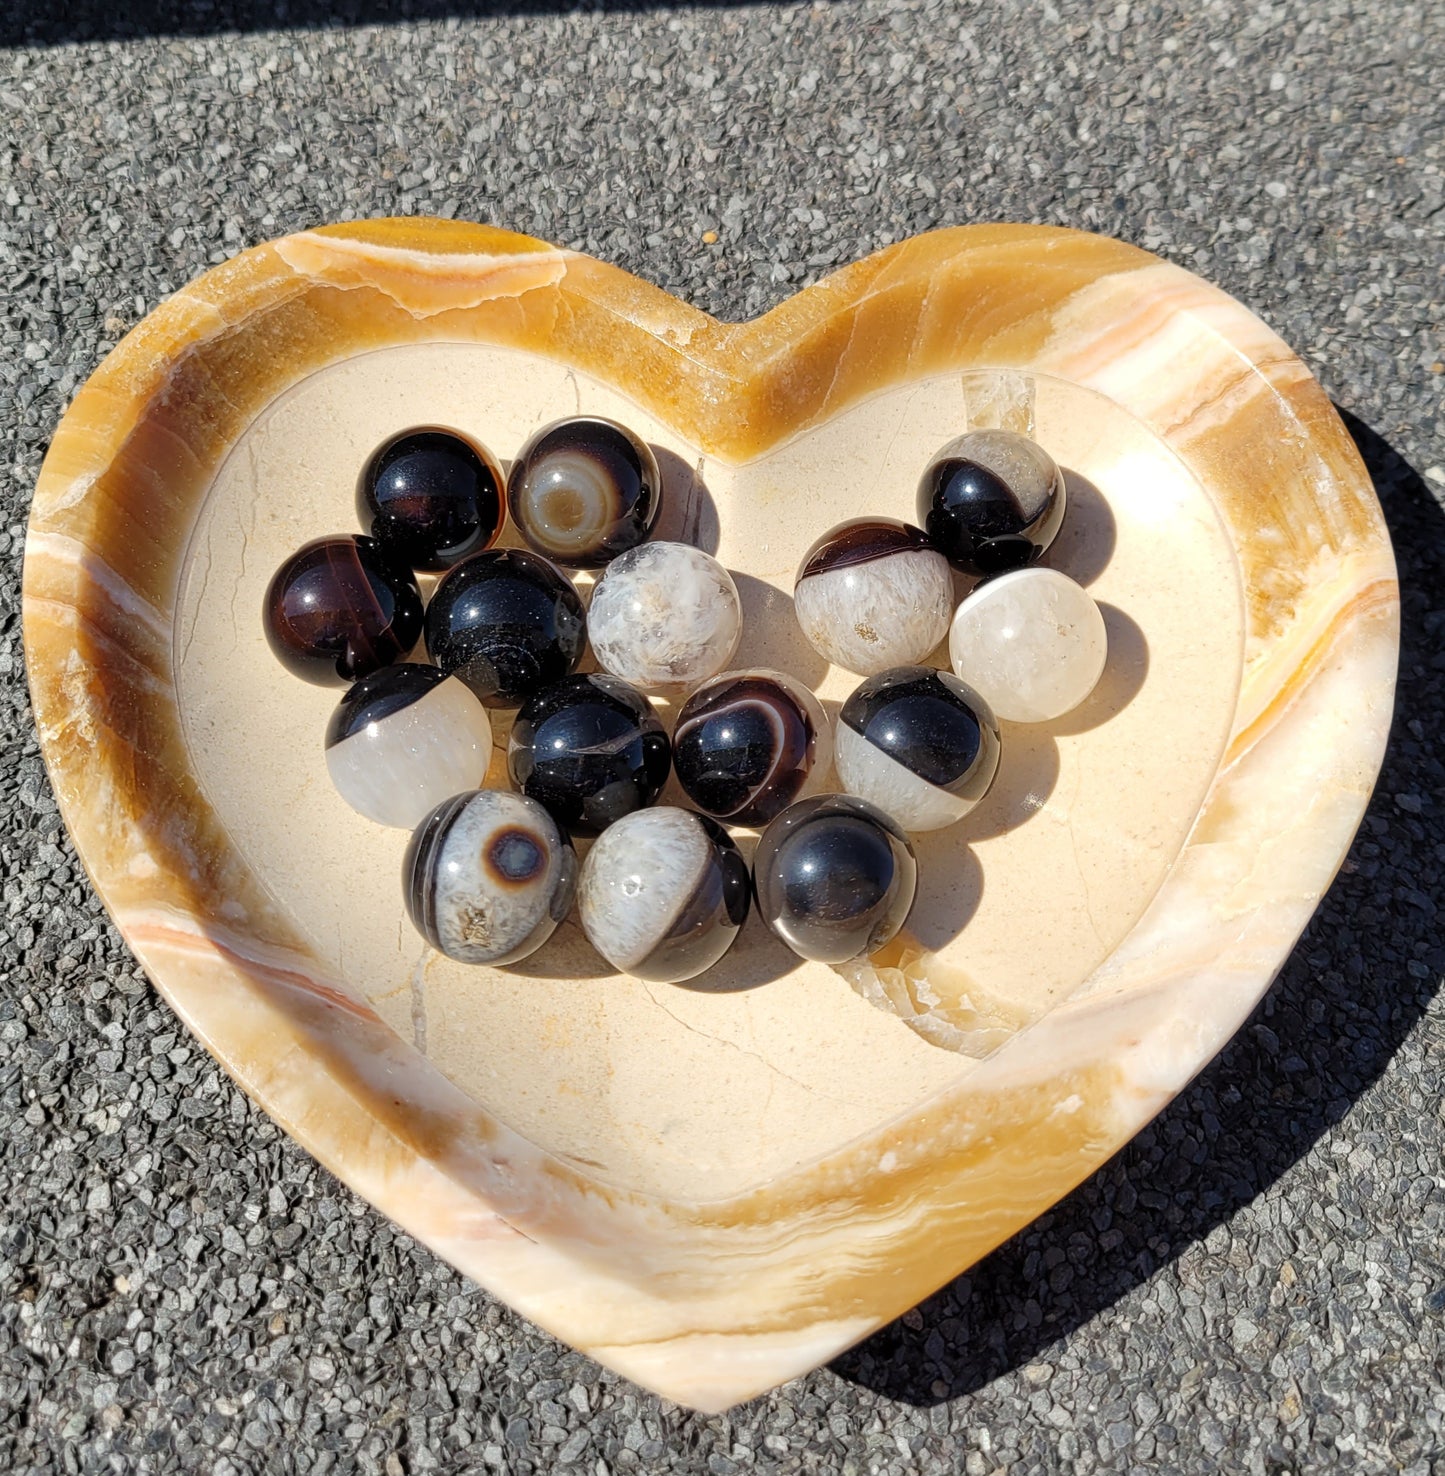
pixel 1257 1283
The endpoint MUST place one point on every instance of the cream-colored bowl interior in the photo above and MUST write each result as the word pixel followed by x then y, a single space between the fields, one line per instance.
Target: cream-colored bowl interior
pixel 767 1062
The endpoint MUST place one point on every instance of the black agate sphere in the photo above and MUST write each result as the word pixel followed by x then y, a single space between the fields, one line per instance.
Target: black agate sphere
pixel 584 490
pixel 834 877
pixel 991 501
pixel 507 623
pixel 341 608
pixel 431 497
pixel 748 743
pixel 590 749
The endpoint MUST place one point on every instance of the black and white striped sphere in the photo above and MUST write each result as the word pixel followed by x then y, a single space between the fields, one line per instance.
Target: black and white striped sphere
pixel 873 593
pixel 488 876
pixel 404 739
pixel 663 893
pixel 918 743
pixel 991 501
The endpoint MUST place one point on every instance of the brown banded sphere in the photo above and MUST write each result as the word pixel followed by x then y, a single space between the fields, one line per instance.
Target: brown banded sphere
pixel 584 490
pixel 341 608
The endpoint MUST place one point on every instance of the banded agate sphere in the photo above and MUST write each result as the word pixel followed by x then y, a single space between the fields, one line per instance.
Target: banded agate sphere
pixel 918 743
pixel 404 739
pixel 834 877
pixel 663 893
pixel 746 744
pixel 488 876
pixel 991 501
pixel 431 498
pixel 873 593
pixel 341 608
pixel 584 490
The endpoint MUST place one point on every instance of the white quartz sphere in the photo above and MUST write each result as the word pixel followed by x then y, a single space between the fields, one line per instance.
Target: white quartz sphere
pixel 1031 643
pixel 665 615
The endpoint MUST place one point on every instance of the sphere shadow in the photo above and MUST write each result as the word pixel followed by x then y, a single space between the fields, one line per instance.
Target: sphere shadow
pixel 1086 541
pixel 689 515
pixel 950 888
pixel 772 636
pixel 1028 770
pixel 1125 669
pixel 757 957
pixel 1362 975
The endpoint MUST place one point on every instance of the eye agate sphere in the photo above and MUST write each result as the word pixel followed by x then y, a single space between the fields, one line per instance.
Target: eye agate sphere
pixel 584 490
pixel 339 609
pixel 591 750
pixel 488 876
pixel 665 615
pixel 404 739
pixel 748 743
pixel 507 623
pixel 920 744
pixel 431 498
pixel 663 894
pixel 873 593
pixel 991 501
pixel 834 877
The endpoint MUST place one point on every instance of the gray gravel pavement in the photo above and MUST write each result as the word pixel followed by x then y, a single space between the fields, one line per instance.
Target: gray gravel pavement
pixel 1256 1284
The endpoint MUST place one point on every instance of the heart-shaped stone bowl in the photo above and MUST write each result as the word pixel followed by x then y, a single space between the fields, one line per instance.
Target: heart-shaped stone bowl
pixel 714 1189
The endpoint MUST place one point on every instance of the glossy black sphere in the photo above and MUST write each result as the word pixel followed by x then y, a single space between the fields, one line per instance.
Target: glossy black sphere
pixel 341 608
pixel 590 749
pixel 507 623
pixel 991 501
pixel 745 743
pixel 584 490
pixel 834 877
pixel 431 498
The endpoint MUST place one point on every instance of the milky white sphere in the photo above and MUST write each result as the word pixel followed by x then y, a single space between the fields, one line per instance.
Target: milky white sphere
pixel 1031 643
pixel 665 615
pixel 404 739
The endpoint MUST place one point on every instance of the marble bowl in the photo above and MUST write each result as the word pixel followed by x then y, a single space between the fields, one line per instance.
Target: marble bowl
pixel 717 1188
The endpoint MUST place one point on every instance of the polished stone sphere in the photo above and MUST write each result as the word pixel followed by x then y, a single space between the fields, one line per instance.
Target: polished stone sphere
pixel 746 744
pixel 488 876
pixel 1032 644
pixel 834 877
pixel 873 593
pixel 404 739
pixel 431 498
pixel 918 743
pixel 341 608
pixel 507 623
pixel 584 490
pixel 665 615
pixel 991 501
pixel 591 749
pixel 663 894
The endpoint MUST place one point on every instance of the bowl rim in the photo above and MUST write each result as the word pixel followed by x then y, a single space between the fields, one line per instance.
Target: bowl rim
pixel 711 1303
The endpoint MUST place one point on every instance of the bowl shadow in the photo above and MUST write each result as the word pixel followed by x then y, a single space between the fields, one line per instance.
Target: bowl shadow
pixel 1324 1033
